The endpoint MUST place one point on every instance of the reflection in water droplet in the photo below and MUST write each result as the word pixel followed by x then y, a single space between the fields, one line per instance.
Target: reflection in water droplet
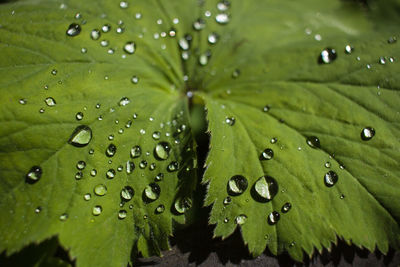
pixel 161 151
pixel 267 154
pixel 93 172
pixel 127 193
pixel 160 209
pixel 273 217
pixel 237 185
pixel 122 214
pixel 286 207
pixel 330 178
pixel 100 190
pixel 230 121
pixel 51 102
pixel 130 47
pixel 265 188
pixel 173 166
pixel 96 211
pixel 111 150
pixel 313 142
pixel 34 174
pixel 240 219
pixel 73 30
pixel 367 133
pixel 182 205
pixel 152 192
pixel 328 55
pixel 81 136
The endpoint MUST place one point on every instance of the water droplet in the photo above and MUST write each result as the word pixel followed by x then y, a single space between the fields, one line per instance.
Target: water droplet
pixel 96 211
pixel 240 219
pixel 143 164
pixel 265 189
pixel 34 174
pixel 81 165
pixel 130 166
pixel 230 121
pixel 327 164
pixel 122 214
pixel 222 18
pixel 79 175
pixel 152 192
pixel 130 47
pixel 54 72
pixel 161 151
pixel 124 101
pixel 159 177
pixel 184 43
pixel 134 80
pixel 111 150
pixel 330 178
pixel 156 135
pixel 226 220
pixel 136 152
pixel 104 43
pixel 152 167
pixel 106 28
pixel 50 102
pixel 313 142
pixel 267 154
pixel 237 185
pixel 223 5
pixel 120 168
pixel 213 38
pixel 348 49
pixel 38 210
pixel 87 196
pixel 100 190
pixel 173 166
pixel 203 58
pixel 83 50
pixel 382 60
pixel 79 116
pixel 95 34
pixel 367 133
pixel 286 207
pixel 392 40
pixel 123 4
pixel 235 73
pixel 142 131
pixel 110 174
pixel 273 217
pixel 81 136
pixel 22 101
pixel 63 217
pixel 199 24
pixel 328 55
pixel 160 209
pixel 127 193
pixel 73 30
pixel 182 204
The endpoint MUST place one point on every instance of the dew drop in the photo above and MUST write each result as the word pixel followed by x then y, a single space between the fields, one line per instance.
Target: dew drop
pixel 81 136
pixel 213 38
pixel 22 101
pixel 161 150
pixel 327 164
pixel 235 73
pixel 73 30
pixel 182 205
pixel 87 196
pixel 130 166
pixel 96 211
pixel 240 219
pixel 199 24
pixel 152 167
pixel 226 220
pixel 63 217
pixel 227 200
pixel 134 79
pixel 81 165
pixel 79 116
pixel 382 60
pixel 159 177
pixel 367 133
pixel 151 192
pixel 223 5
pixel 130 47
pixel 173 166
pixel 273 217
pixel 136 152
pixel 184 43
pixel 106 28
pixel 95 34
pixel 348 49
pixel 156 135
pixel 78 175
pixel 143 164
pixel 124 101
pixel 34 174
pixel 104 43
pixel 392 40
pixel 328 55
pixel 38 210
pixel 313 142
pixel 160 209
pixel 237 185
pixel 50 102
pixel 100 190
pixel 123 4
pixel 122 214
pixel 267 154
pixel 286 207
pixel 230 121
pixel 127 193
pixel 330 178
pixel 273 140
pixel 111 150
pixel 222 18
pixel 54 72
pixel 265 188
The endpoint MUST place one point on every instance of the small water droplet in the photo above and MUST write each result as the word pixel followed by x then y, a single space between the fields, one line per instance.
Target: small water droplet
pixel 96 211
pixel 173 166
pixel 127 193
pixel 273 140
pixel 159 177
pixel 104 43
pixel 142 131
pixel 106 28
pixel 130 166
pixel 265 188
pixel 223 5
pixel 73 30
pixel 286 207
pixel 222 18
pixel 266 108
pixel 327 164
pixel 342 196
pixel 213 38
pixel 151 192
pixel 382 60
pixel 182 204
pixel 328 55
pixel 160 209
pixel 81 136
pixel 330 178
pixel 22 101
pixel 122 214
pixel 34 174
pixel 134 80
pixel 240 219
pixel 79 116
pixel 63 217
pixel 143 164
pixel 87 196
pixel 227 200
pixel 124 101
pixel 156 135
pixel 161 150
pixel 152 167
pixel 273 217
pixel 184 43
pixel 130 47
pixel 38 210
pixel 110 174
pixel 111 150
pixel 348 49
pixel 83 50
pixel 136 152
pixel 267 154
pixel 123 4
pixel 79 175
pixel 392 40
pixel 100 190
pixel 230 121
pixel 313 142
pixel 51 102
pixel 95 34
pixel 237 185
pixel 367 133
pixel 199 24
pixel 81 165
pixel 226 220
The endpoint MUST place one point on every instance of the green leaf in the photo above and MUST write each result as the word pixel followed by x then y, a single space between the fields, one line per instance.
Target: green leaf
pixel 71 115
pixel 282 92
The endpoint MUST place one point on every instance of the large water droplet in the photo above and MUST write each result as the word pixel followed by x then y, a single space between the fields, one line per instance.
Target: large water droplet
pixel 367 133
pixel 273 217
pixel 328 55
pixel 267 154
pixel 161 151
pixel 182 205
pixel 240 219
pixel 81 136
pixel 313 142
pixel 286 207
pixel 127 193
pixel 136 152
pixel 331 178
pixel 265 188
pixel 151 192
pixel 73 30
pixel 34 174
pixel 237 185
pixel 111 150
pixel 96 211
pixel 130 47
pixel 124 101
pixel 100 190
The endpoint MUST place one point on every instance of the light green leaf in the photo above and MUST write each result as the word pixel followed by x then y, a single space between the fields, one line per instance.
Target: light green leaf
pixel 270 85
pixel 72 114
